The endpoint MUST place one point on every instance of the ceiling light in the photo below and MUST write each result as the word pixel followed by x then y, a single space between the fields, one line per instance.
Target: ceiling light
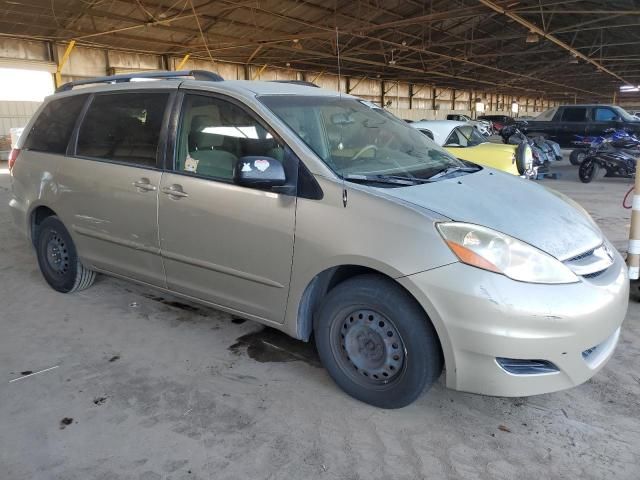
pixel 532 37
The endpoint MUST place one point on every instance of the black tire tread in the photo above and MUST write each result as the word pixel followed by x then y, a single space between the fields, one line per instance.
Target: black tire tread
pixel 84 277
pixel 428 359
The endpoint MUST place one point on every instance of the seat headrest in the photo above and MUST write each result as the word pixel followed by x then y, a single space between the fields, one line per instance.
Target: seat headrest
pixel 200 138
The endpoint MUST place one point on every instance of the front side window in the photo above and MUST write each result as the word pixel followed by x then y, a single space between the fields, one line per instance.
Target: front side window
pixel 466 136
pixel 354 137
pixel 574 114
pixel 215 133
pixel 123 127
pixel 51 130
pixel 604 115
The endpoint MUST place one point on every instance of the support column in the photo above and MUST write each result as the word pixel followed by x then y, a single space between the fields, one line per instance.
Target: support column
pixel 62 61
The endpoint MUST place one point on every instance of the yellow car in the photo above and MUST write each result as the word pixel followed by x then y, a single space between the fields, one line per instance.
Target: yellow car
pixel 465 142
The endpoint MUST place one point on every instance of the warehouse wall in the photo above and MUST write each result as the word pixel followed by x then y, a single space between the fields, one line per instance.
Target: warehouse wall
pixel 15 114
pixel 411 101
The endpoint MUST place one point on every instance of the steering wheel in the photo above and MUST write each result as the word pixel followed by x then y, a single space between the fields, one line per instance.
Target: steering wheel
pixel 364 149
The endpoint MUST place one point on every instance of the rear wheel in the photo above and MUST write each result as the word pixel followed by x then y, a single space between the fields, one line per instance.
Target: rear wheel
pixel 376 342
pixel 58 259
pixel 577 156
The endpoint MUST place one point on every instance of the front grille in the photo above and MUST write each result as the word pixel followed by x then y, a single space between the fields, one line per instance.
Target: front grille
pixel 592 263
pixel 517 366
pixel 581 256
pixel 594 274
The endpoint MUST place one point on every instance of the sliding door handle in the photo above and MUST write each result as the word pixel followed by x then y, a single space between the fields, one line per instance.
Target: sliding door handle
pixel 175 191
pixel 144 185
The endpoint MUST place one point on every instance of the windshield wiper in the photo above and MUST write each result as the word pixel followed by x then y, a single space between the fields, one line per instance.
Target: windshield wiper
pixel 389 179
pixel 449 170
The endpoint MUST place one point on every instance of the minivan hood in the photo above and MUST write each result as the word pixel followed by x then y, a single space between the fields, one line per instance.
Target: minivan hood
pixel 520 208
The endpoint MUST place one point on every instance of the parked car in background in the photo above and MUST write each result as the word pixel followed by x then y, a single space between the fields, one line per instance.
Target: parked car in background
pixel 406 257
pixel 463 141
pixel 485 127
pixel 498 121
pixel 562 124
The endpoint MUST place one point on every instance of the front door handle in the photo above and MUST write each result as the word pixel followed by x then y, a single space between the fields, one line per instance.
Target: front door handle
pixel 175 191
pixel 144 185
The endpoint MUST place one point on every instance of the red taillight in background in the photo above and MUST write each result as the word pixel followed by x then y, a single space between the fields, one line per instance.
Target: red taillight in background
pixel 13 156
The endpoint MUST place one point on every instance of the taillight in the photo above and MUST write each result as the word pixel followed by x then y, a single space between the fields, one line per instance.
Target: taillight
pixel 13 156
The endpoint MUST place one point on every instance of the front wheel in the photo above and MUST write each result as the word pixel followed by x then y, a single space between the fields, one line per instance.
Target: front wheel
pixel 376 342
pixel 589 170
pixel 58 259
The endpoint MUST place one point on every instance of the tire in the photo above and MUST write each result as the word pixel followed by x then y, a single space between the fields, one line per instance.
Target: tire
pixel 58 259
pixel 520 158
pixel 589 170
pixel 577 156
pixel 376 342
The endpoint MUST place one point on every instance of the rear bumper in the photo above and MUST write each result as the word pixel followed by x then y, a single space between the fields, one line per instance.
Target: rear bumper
pixel 480 316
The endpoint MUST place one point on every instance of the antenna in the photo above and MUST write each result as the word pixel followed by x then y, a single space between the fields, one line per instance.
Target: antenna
pixel 344 188
pixel 339 72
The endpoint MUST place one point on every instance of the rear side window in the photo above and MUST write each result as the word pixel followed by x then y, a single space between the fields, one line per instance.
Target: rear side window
pixel 52 129
pixel 123 127
pixel 574 114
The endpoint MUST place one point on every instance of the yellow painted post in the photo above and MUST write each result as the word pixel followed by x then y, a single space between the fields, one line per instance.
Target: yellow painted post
pixel 183 61
pixel 259 72
pixel 62 61
pixel 313 80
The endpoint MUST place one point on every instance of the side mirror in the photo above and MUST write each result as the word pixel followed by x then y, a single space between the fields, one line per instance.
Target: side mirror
pixel 259 172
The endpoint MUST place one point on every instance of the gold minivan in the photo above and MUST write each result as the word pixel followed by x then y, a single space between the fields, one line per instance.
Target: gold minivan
pixel 324 216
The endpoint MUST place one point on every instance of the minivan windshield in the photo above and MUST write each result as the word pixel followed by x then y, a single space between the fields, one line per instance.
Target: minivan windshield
pixel 358 140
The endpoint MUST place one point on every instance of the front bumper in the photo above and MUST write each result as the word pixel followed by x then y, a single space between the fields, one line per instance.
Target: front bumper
pixel 481 315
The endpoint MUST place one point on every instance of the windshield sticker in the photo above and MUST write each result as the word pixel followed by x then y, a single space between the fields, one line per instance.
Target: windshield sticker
pixel 246 167
pixel 191 164
pixel 261 165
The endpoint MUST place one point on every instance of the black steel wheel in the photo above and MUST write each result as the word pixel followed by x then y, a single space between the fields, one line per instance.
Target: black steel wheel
pixel 368 347
pixel 376 342
pixel 58 259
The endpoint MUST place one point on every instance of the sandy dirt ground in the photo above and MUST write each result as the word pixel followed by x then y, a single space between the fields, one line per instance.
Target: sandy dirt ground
pixel 145 386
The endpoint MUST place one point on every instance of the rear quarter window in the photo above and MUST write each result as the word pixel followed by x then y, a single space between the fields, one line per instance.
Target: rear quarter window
pixel 52 129
pixel 123 127
pixel 574 114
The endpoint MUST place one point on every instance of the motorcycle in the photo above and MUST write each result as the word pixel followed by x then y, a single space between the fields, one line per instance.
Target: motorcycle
pixel 544 151
pixel 583 143
pixel 615 155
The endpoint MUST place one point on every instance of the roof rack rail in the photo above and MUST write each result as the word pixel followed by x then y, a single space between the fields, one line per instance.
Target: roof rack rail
pixel 127 77
pixel 297 82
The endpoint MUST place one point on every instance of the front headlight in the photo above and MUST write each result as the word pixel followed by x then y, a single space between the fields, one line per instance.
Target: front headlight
pixel 484 248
